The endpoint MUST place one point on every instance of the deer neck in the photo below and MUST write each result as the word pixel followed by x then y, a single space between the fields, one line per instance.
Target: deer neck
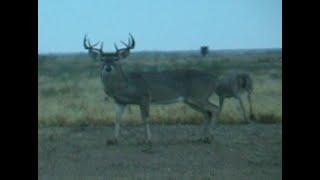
pixel 120 73
pixel 114 81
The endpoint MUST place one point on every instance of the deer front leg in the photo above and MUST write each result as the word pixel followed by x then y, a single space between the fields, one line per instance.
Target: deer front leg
pixel 144 109
pixel 211 114
pixel 242 108
pixel 119 111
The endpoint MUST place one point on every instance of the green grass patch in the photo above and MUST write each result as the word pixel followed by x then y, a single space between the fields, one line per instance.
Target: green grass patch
pixel 70 92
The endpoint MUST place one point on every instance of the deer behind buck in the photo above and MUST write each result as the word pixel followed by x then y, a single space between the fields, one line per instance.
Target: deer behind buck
pixel 192 87
pixel 232 85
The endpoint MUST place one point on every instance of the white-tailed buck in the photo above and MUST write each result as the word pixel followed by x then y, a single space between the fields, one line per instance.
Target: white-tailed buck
pixel 233 85
pixel 144 88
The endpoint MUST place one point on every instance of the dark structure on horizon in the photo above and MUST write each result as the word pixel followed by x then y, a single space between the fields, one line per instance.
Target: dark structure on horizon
pixel 204 50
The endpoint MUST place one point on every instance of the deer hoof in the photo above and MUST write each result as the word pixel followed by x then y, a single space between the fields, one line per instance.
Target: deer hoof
pixel 112 141
pixel 206 140
pixel 145 141
pixel 252 117
pixel 246 121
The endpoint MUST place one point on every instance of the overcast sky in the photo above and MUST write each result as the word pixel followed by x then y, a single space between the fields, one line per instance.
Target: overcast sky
pixel 160 25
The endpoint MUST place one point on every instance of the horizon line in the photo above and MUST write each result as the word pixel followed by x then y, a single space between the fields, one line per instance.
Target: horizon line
pixel 179 50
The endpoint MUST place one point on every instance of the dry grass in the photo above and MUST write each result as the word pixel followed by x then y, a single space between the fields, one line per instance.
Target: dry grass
pixel 70 91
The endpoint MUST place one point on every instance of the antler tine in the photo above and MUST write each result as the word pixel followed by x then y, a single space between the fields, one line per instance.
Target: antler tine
pixel 127 46
pixel 101 48
pixel 96 44
pixel 85 42
pixel 129 42
pixel 132 44
pixel 115 46
pixel 89 43
pixel 91 46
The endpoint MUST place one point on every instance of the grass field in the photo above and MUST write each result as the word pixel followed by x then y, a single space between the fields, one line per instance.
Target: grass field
pixel 70 92
pixel 75 122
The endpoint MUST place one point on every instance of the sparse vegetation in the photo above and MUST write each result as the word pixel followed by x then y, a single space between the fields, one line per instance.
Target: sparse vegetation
pixel 70 91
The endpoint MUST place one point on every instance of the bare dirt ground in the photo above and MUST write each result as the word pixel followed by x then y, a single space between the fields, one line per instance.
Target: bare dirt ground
pixel 245 151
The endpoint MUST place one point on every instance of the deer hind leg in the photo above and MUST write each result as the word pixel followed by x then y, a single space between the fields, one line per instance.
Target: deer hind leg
pixel 242 108
pixel 144 110
pixel 210 112
pixel 221 100
pixel 250 107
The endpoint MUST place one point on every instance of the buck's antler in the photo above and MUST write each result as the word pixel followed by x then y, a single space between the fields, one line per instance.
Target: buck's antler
pixel 87 45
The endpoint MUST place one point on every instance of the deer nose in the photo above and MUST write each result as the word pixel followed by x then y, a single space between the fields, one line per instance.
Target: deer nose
pixel 108 68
